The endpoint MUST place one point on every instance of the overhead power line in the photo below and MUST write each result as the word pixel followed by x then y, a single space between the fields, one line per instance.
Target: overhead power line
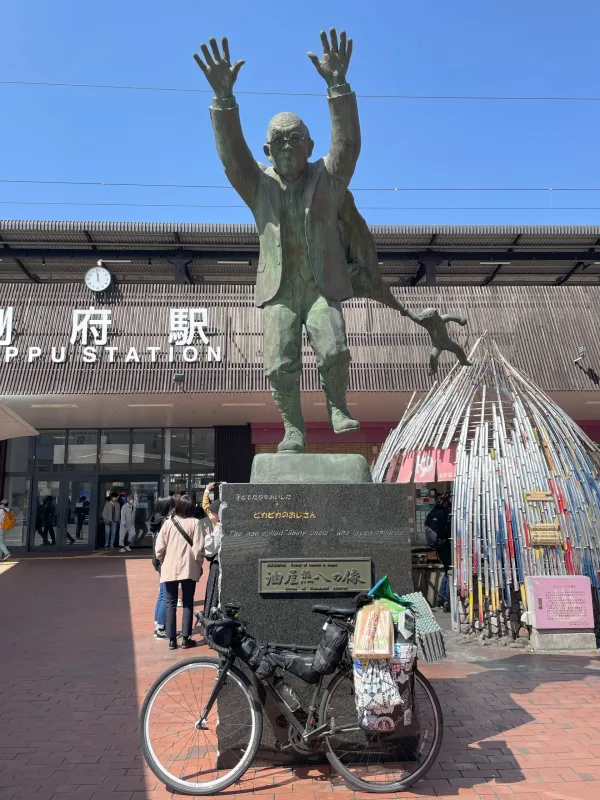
pixel 354 188
pixel 187 90
pixel 241 205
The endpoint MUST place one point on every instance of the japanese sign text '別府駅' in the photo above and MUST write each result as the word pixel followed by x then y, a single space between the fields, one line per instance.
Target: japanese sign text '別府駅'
pixel 90 336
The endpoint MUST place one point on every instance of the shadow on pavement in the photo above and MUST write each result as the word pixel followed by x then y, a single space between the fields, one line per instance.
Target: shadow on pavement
pixel 479 708
pixel 68 705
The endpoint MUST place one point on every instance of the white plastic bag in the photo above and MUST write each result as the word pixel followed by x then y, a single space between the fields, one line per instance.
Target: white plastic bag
pixel 374 687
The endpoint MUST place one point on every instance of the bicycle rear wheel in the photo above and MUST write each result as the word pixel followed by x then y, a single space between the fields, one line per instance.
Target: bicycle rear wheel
pixel 381 762
pixel 202 760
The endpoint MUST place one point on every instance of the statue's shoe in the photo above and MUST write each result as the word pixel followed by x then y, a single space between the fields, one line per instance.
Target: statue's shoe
pixel 294 441
pixel 342 422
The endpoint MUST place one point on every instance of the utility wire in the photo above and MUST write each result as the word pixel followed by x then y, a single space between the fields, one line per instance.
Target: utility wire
pixel 540 98
pixel 354 189
pixel 241 205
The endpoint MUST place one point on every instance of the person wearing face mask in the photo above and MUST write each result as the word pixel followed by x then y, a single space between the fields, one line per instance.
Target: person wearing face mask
pixel 127 530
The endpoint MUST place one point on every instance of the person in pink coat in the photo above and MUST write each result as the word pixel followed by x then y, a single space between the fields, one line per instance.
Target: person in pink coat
pixel 180 551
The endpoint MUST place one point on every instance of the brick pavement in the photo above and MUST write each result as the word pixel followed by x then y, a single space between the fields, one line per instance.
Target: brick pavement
pixel 78 656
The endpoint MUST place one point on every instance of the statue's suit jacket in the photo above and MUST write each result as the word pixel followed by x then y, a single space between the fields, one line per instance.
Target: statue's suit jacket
pixel 324 193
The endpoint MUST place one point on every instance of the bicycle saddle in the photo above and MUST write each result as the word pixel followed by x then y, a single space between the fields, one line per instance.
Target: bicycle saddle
pixel 339 612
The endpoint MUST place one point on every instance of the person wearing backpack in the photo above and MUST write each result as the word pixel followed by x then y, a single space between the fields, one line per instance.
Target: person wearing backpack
pixel 7 522
pixel 180 552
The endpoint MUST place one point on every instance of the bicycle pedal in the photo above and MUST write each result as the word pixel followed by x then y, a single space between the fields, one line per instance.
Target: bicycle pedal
pixel 281 746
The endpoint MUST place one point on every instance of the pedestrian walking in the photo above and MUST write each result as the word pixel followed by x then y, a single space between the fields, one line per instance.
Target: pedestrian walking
pixel 49 520
pixel 39 522
pixel 180 552
pixel 7 522
pixel 82 507
pixel 111 513
pixel 162 509
pixel 127 529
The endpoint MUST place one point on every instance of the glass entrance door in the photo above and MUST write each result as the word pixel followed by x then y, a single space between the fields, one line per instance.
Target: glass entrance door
pixel 61 513
pixel 145 494
pixel 46 504
pixel 77 523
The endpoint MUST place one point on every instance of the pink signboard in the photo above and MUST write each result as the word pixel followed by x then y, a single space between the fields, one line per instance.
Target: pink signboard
pixel 446 463
pixel 406 467
pixel 425 466
pixel 563 602
pixel 391 469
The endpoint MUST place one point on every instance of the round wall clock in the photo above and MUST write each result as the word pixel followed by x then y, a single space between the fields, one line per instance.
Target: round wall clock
pixel 98 279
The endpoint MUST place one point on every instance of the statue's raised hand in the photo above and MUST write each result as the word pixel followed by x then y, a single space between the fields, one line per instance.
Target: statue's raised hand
pixel 336 58
pixel 218 68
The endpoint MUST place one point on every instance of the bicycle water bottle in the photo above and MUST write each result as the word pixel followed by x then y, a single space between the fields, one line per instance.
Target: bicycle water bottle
pixel 290 697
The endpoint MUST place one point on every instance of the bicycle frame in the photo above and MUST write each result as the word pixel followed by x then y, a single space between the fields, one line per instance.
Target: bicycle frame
pixel 216 689
pixel 305 731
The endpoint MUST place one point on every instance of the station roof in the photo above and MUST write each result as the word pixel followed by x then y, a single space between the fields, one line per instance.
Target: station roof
pixel 160 252
pixel 13 426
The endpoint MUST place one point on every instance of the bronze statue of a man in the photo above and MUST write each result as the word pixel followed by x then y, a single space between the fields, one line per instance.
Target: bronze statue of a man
pixel 315 248
pixel 303 273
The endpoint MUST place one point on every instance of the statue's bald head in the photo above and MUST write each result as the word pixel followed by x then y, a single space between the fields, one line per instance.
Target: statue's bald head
pixel 289 145
pixel 284 122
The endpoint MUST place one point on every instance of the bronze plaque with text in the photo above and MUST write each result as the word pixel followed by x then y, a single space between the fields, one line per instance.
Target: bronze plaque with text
pixel 302 576
pixel 539 497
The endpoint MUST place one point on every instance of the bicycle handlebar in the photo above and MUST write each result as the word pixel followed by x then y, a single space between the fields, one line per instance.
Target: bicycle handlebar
pixel 210 623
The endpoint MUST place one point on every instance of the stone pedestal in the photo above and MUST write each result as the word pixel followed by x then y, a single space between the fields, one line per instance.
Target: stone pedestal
pixel 310 468
pixel 289 545
pixel 312 542
pixel 560 613
pixel 580 641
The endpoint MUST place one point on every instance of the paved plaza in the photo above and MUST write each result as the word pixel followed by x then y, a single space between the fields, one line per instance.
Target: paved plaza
pixel 78 656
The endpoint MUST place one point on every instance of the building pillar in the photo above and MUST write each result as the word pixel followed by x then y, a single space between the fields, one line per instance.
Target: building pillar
pixel 427 268
pixel 233 453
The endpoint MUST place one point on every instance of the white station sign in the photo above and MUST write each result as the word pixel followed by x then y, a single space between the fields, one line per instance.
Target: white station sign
pixel 91 327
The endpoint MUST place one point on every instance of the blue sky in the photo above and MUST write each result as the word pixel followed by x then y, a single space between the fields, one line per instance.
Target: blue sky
pixel 433 47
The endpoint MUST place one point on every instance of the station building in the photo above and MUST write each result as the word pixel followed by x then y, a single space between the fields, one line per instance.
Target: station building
pixel 131 353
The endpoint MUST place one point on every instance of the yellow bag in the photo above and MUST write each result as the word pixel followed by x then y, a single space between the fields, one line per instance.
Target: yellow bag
pixel 374 632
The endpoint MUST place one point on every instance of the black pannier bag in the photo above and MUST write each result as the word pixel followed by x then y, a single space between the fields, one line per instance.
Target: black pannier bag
pixel 261 662
pixel 249 651
pixel 299 666
pixel 330 649
pixel 268 664
pixel 221 635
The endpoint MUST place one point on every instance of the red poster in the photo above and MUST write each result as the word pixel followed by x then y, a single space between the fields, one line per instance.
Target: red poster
pixel 406 468
pixel 446 463
pixel 392 468
pixel 425 467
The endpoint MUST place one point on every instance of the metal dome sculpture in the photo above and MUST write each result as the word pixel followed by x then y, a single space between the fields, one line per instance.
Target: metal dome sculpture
pixel 525 499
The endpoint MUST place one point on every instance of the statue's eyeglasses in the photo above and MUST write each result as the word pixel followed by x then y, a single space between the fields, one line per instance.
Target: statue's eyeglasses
pixel 295 139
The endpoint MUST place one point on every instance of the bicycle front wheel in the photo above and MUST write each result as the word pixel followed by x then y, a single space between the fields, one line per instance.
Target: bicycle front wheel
pixel 192 758
pixel 381 762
